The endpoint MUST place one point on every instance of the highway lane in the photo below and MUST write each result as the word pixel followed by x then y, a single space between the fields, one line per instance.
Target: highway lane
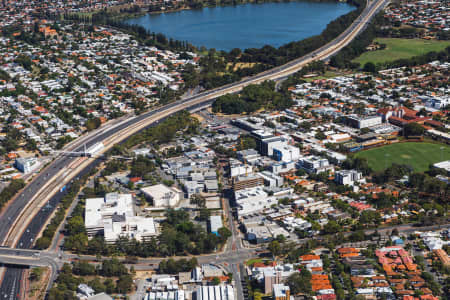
pixel 14 209
pixel 12 280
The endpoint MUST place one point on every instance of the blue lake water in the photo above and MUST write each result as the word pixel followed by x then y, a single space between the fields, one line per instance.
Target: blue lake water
pixel 247 25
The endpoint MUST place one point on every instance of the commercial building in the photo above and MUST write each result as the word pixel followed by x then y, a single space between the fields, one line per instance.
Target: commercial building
pixel 272 276
pixel 282 167
pixel 267 145
pixel 248 155
pixel 217 292
pixel 258 234
pixel 286 153
pixel 347 177
pixel 215 222
pixel 444 165
pixel 192 187
pixel 281 292
pixel 252 200
pixel 165 287
pixel 166 295
pixel 114 217
pixel 314 164
pixel 363 122
pixel 162 196
pixel 120 226
pixel 238 168
pixel 27 165
pixel 266 141
pixel 244 182
pixel 211 186
pixel 84 291
pixel 271 179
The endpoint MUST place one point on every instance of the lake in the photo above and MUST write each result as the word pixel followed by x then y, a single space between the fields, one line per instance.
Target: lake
pixel 247 25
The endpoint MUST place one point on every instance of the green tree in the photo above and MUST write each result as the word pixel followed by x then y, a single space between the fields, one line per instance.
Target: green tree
pixel 413 129
pixel 97 285
pixel 274 247
pixel 109 286
pixel 204 214
pixel 300 282
pixel 92 124
pixel 83 268
pixel 42 243
pixel 113 267
pixel 369 67
pixel 331 227
pixel 75 225
pixel 224 233
pixel 124 284
pixel 246 142
pixel 36 273
pixel 320 136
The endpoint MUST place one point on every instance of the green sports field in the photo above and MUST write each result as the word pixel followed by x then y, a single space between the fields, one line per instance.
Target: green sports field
pixel 400 48
pixel 416 154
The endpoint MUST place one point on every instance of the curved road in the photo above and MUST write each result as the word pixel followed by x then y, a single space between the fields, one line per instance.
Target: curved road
pixel 22 220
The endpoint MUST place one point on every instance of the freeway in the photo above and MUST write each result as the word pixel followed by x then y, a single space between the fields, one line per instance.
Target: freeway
pixel 22 220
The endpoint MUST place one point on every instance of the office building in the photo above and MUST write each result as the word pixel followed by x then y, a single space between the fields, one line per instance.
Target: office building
pixel 244 182
pixel 162 196
pixel 27 165
pixel 215 222
pixel 281 292
pixel 216 292
pixel 286 153
pixel 114 217
pixel 363 122
pixel 347 177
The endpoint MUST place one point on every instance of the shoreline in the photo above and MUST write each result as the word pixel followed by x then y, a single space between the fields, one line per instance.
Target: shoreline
pixel 123 16
pixel 232 4
pixel 118 16
pixel 146 19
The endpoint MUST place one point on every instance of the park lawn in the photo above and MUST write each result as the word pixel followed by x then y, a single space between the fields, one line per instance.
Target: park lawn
pixel 419 155
pixel 327 75
pixel 253 260
pixel 400 48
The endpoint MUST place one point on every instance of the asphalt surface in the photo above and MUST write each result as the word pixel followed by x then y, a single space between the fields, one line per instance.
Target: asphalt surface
pixel 12 280
pixel 9 286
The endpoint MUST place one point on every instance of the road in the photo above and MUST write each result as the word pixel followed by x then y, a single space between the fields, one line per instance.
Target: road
pixel 230 256
pixel 22 220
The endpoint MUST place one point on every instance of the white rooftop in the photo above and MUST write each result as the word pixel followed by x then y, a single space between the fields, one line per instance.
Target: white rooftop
pixel 113 204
